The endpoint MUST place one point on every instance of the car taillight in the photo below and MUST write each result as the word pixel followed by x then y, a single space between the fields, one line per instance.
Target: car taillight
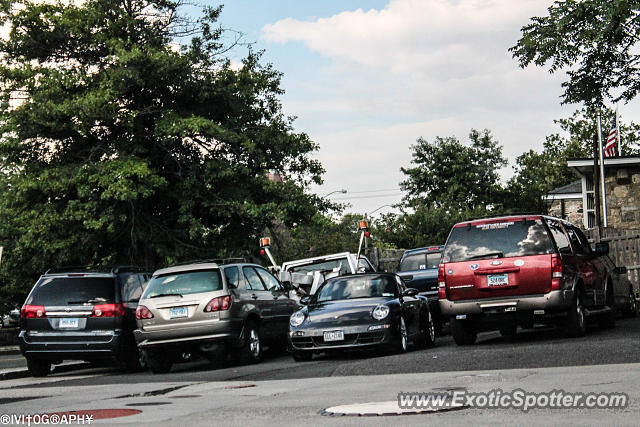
pixel 218 304
pixel 143 312
pixel 556 272
pixel 442 284
pixel 108 310
pixel 32 312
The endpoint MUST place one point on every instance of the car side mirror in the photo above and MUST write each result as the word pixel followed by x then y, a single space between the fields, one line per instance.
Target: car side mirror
pixel 620 270
pixel 410 292
pixel 305 300
pixel 602 248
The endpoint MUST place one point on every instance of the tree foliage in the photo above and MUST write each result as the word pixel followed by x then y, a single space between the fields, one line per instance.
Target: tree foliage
pixel 117 145
pixel 594 40
pixel 447 173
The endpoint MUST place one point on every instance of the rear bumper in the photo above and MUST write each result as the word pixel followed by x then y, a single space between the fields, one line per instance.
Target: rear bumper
pixel 73 345
pixel 550 303
pixel 228 331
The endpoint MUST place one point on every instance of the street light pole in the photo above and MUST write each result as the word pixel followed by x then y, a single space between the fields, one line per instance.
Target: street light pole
pixel 342 191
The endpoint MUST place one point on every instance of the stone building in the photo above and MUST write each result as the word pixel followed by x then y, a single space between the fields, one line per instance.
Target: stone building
pixel 575 202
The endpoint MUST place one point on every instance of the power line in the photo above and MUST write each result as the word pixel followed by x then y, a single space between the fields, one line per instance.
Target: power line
pixel 370 197
pixel 374 191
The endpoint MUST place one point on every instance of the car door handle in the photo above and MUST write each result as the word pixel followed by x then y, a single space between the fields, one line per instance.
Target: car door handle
pixel 254 296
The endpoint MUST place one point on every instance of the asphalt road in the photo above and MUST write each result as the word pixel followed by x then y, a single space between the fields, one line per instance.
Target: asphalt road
pixel 538 348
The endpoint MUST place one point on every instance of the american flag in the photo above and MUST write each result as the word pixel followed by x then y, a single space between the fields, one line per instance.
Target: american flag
pixel 610 146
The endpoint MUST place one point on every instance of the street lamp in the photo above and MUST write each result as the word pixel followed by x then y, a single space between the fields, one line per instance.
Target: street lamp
pixel 377 209
pixel 343 191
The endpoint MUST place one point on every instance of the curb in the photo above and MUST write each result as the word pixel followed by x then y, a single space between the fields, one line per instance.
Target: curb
pixel 24 373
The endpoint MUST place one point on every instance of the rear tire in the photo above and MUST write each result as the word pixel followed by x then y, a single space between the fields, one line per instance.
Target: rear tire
pixel 427 331
pixel 632 305
pixel 464 333
pixel 576 321
pixel 135 360
pixel 158 363
pixel 251 351
pixel 38 368
pixel 302 356
pixel 509 331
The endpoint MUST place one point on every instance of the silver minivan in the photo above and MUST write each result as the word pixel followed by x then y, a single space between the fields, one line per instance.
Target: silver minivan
pixel 211 310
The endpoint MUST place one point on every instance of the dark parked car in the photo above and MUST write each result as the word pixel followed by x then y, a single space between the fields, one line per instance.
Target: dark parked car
pixel 361 310
pixel 11 319
pixel 501 273
pixel 419 270
pixel 210 309
pixel 80 314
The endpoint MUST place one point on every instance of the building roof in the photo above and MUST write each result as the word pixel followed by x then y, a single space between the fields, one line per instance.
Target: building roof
pixel 585 166
pixel 574 187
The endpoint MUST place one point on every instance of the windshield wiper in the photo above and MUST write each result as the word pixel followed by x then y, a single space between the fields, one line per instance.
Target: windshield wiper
pixel 488 255
pixel 89 301
pixel 166 295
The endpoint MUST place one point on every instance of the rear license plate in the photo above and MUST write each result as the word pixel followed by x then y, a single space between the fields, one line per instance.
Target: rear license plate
pixel 176 312
pixel 68 323
pixel 497 279
pixel 334 336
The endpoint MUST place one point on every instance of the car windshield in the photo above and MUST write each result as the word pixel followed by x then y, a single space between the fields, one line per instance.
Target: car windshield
pixel 341 265
pixel 357 287
pixel 421 261
pixel 510 238
pixel 184 283
pixel 73 290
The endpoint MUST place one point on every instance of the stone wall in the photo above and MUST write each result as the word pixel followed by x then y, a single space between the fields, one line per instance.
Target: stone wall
pixel 572 211
pixel 623 197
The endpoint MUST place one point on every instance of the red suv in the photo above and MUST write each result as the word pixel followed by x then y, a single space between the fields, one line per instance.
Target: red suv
pixel 501 273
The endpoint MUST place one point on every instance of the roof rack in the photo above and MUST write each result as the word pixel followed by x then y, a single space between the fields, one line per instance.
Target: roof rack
pixel 503 215
pixel 213 260
pixel 95 269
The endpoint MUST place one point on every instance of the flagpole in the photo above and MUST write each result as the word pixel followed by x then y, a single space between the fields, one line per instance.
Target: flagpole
pixel 602 176
pixel 618 134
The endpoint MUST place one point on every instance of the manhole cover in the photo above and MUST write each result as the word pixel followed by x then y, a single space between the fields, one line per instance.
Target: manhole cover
pixel 383 409
pixel 148 403
pixel 98 414
pixel 233 387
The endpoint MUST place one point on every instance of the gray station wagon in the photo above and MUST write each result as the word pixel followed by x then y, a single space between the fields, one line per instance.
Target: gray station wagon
pixel 212 310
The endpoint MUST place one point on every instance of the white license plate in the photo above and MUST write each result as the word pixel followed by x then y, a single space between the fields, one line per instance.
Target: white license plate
pixel 334 336
pixel 497 279
pixel 68 323
pixel 176 312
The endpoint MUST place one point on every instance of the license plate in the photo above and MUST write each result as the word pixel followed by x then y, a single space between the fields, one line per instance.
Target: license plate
pixel 334 336
pixel 497 279
pixel 68 323
pixel 175 312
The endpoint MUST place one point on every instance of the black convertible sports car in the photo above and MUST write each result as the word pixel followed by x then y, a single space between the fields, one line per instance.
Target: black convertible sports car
pixel 361 310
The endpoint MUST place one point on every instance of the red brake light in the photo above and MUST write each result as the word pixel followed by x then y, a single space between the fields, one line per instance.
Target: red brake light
pixel 108 310
pixel 32 312
pixel 556 272
pixel 218 304
pixel 143 312
pixel 442 284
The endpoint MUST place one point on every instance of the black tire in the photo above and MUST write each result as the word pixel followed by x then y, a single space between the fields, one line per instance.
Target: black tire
pixel 251 350
pixel 302 356
pixel 509 331
pixel 157 362
pixel 464 333
pixel 427 336
pixel 402 344
pixel 576 323
pixel 38 368
pixel 135 360
pixel 631 310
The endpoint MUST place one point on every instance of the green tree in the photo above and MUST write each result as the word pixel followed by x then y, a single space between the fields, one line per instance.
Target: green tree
pixel 449 174
pixel 118 145
pixel 594 40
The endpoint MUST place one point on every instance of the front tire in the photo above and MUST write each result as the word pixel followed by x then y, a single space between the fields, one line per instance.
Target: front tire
pixel 464 333
pixel 38 368
pixel 427 332
pixel 403 338
pixel 632 305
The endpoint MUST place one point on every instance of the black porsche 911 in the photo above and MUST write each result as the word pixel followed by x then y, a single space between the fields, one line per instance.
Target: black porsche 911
pixel 361 310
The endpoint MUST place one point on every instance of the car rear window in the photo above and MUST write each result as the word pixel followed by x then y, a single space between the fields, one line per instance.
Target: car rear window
pixel 54 291
pixel 510 238
pixel 420 261
pixel 341 264
pixel 184 283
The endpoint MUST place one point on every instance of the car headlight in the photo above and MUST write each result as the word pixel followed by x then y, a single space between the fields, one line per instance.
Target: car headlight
pixel 380 312
pixel 297 318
